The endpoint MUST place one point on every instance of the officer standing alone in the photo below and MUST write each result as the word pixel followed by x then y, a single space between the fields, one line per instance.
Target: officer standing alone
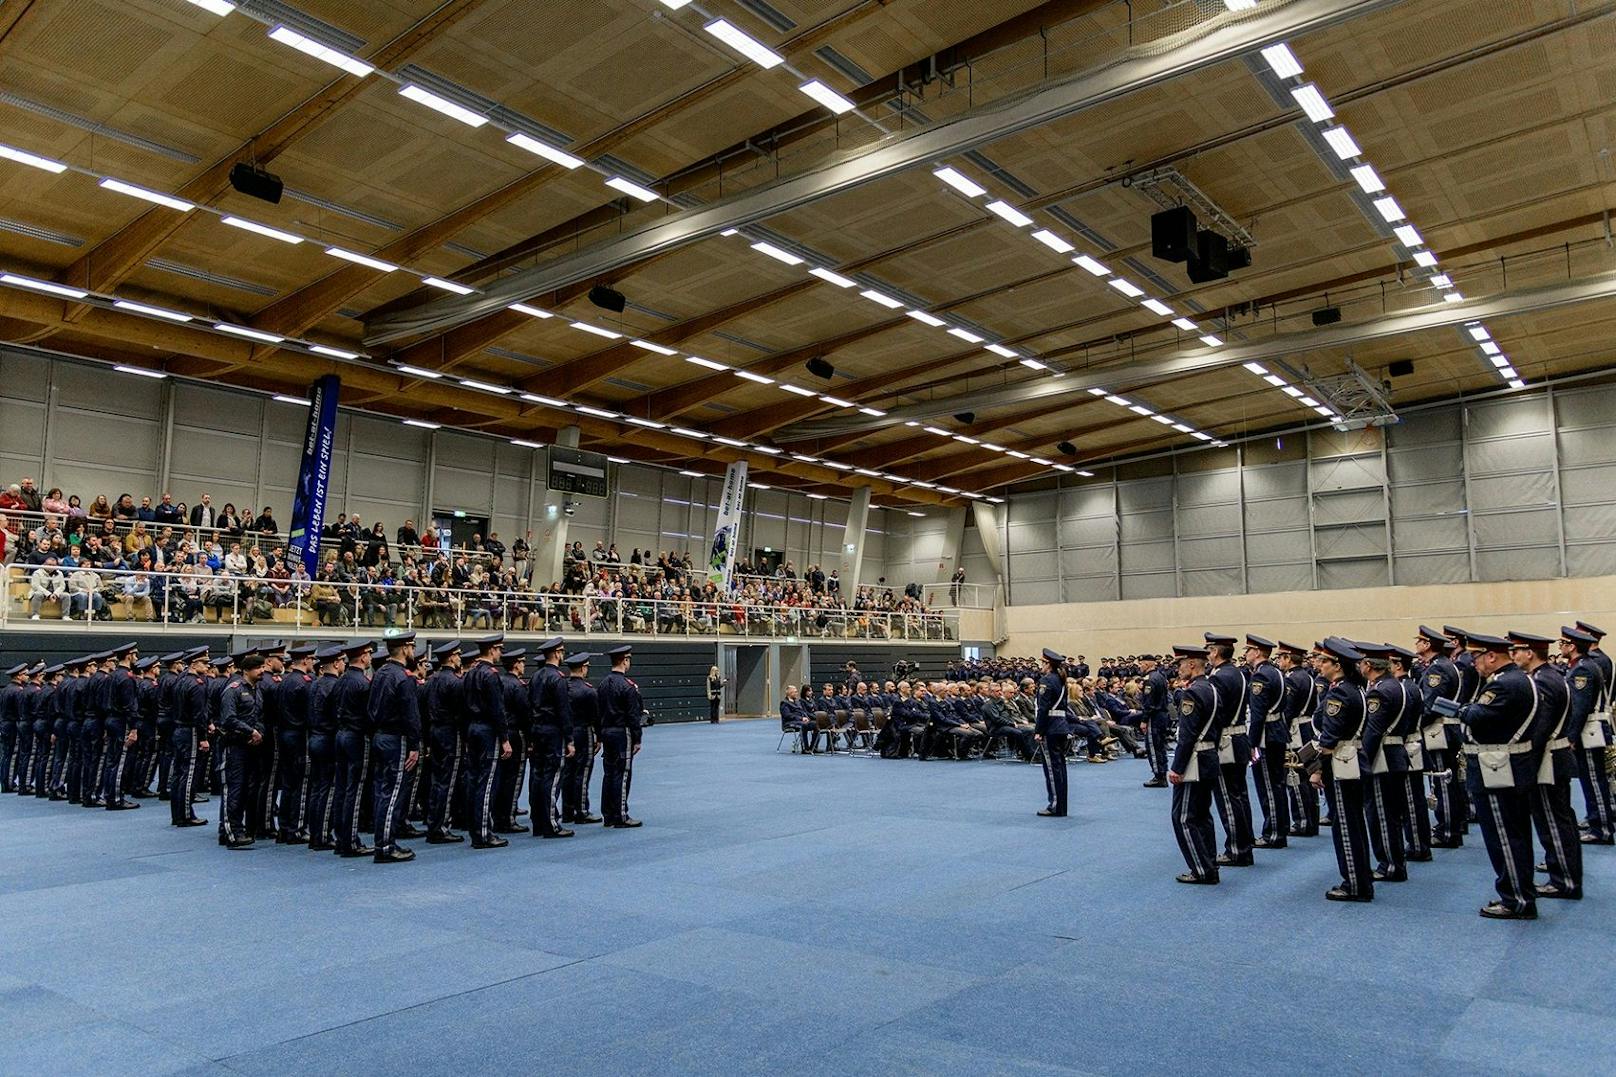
pixel 620 732
pixel 1052 732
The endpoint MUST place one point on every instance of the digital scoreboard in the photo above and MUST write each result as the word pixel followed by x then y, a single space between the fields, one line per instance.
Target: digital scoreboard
pixel 573 471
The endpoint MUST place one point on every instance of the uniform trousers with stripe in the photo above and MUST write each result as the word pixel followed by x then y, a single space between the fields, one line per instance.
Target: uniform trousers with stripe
pixel 322 787
pixel 617 750
pixel 1505 818
pixel 263 766
pixel 1556 826
pixel 1233 798
pixel 548 747
pixel 292 779
pixel 482 760
pixel 8 757
pixel 1349 832
pixel 1055 745
pixel 62 755
pixel 510 774
pixel 576 770
pixel 1595 792
pixel 92 749
pixel 39 778
pixel 448 761
pixel 353 753
pixel 1452 795
pixel 182 774
pixel 116 759
pixel 1386 812
pixel 1156 727
pixel 1192 821
pixel 165 758
pixel 233 792
pixel 1268 773
pixel 392 788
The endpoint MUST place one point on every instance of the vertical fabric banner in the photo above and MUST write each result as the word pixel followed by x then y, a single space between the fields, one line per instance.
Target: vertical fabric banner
pixel 727 531
pixel 314 474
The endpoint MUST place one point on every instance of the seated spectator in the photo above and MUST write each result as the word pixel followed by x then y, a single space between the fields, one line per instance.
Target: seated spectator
pixel 796 718
pixel 235 562
pixel 84 595
pixel 145 512
pixel 124 508
pixel 30 495
pixel 11 499
pixel 265 524
pixel 100 508
pixel 45 584
pixel 228 522
pixel 185 598
pixel 135 588
pixel 54 502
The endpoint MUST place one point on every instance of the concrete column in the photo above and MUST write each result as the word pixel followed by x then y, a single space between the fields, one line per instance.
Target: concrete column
pixel 953 542
pixel 550 544
pixel 852 559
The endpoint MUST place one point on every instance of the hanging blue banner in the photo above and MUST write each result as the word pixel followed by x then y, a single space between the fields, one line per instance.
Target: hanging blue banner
pixel 314 474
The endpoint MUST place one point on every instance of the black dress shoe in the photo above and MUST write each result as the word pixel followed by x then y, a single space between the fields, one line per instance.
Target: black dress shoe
pixel 1338 893
pixel 1197 880
pixel 1325 820
pixel 322 847
pixel 625 823
pixel 1051 813
pixel 495 842
pixel 587 818
pixel 63 796
pixel 561 832
pixel 514 828
pixel 1586 839
pixel 1421 857
pixel 1155 783
pixel 1549 890
pixel 1497 910
pixel 357 851
pixel 394 856
pixel 445 838
pixel 199 798
pixel 240 843
pixel 411 832
pixel 122 805
pixel 1227 861
pixel 1386 877
pixel 193 821
pixel 1456 844
pixel 1541 868
pixel 1264 843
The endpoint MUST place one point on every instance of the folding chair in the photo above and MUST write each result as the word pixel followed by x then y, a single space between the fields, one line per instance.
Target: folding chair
pixel 823 728
pixel 863 728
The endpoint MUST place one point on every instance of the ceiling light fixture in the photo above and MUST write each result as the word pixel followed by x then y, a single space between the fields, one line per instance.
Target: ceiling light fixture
pixel 648 346
pixel 423 424
pixel 1052 241
pixel 261 229
pixel 1282 60
pixel 960 182
pixel 520 443
pixel 1156 306
pixel 447 285
pixel 965 335
pixel 534 312
pixel 23 157
pixel 1009 213
pixel 599 413
pixel 310 47
pixel 154 312
pixel 926 319
pixel 833 278
pixel 419 371
pixel 483 386
pixel 545 150
pixel 777 254
pixel 1313 103
pixel 1368 179
pixel 361 259
pixel 629 187
pixel 1127 288
pixel 1000 349
pixel 250 334
pixel 335 353
pixel 876 297
pixel 46 286
pixel 1091 265
pixel 827 96
pixel 1340 140
pixel 443 105
pixel 744 44
pixel 585 327
pixel 749 376
pixel 142 371
pixel 547 401
pixel 284 399
pixel 1390 210
pixel 708 363
pixel 1408 236
pixel 150 196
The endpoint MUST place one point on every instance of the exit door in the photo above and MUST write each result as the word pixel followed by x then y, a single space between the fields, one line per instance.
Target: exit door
pixel 746 669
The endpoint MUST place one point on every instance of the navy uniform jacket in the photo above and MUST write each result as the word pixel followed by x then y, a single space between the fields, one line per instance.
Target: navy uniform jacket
pixel 1197 721
pixel 518 710
pixel 1553 708
pixel 146 691
pixel 168 683
pixel 1153 699
pixel 1299 690
pixel 1051 706
pixel 352 700
pixel 66 703
pixel 1414 715
pixel 269 702
pixel 393 703
pixel 239 716
pixel 484 698
pixel 620 704
pixel 9 697
pixel 909 712
pixel 293 697
pixel 1469 680
pixel 1440 680
pixel 1505 709
pixel 1340 715
pixel 1602 660
pixel 941 712
pixel 444 692
pixel 191 703
pixel 215 693
pixel 548 697
pixel 1265 694
pixel 322 704
pixel 791 710
pixel 95 697
pixel 583 703
pixel 1385 703
pixel 1231 685
pixel 1587 686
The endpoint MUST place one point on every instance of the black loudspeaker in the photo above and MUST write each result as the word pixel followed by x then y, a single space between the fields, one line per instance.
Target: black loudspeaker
pixel 256 183
pixel 819 368
pixel 1239 258
pixel 966 417
pixel 1400 368
pixel 1172 234
pixel 607 298
pixel 1068 448
pixel 1326 316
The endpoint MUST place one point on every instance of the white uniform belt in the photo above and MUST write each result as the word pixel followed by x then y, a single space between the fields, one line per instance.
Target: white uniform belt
pixel 1559 742
pixel 1520 747
pixel 1057 714
pixel 1206 746
pixel 1450 721
pixel 1346 744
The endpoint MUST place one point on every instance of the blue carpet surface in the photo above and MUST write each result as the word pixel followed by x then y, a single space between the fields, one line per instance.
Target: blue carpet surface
pixel 780 914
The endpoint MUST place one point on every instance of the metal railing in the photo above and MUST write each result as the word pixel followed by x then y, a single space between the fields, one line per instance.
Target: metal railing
pixel 964 596
pixel 85 595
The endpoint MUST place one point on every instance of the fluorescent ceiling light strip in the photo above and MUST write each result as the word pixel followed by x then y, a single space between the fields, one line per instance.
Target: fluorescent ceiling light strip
pixel 1425 259
pixel 1091 265
pixel 335 353
pixel 826 96
pixel 1390 210
pixel 1275 380
pixel 291 400
pixel 1257 369
pixel 1119 401
pixel 708 363
pixel 1052 241
pixel 443 105
pixel 1097 391
pixel 1211 341
pixel 361 259
pixel 948 489
pixel 1442 280
pixel 1498 360
pixel 43 286
pixel 866 472
pixel 150 196
pixel 23 157
pixel 221 7
pixel 1509 372
pixel 1313 103
pixel 629 187
pixel 545 150
pixel 1033 364
pixel 1127 288
pixel 833 278
pixel 939 431
pixel 154 312
pixel 548 401
pixel 1063 467
pixel 1479 332
pixel 768 450
pixel 1140 409
pixel 685 431
pixel 1453 297
pixel 837 466
pixel 749 376
pixel 250 334
pixel 310 47
pixel 653 424
pixel 744 44
pixel 926 319
pixel 1009 213
pixel 1000 349
pixel 1186 325
pixel 142 371
pixel 261 229
pixel 759 486
pixel 648 346
pixel 876 412
pixel 419 371
pixel 1517 384
pixel 535 312
pixel 805 459
pixel 777 254
pixel 1292 392
pixel 423 424
pixel 1489 348
pixel 1324 411
pixel 965 335
pixel 597 330
pixel 876 297
pixel 991 447
pixel 447 285
pixel 1308 401
pixel 1408 236
pixel 1201 437
pixel 1156 306
pixel 799 390
pixel 733 443
pixel 1341 141
pixel 923 485
pixel 1018 455
pixel 692 474
pixel 526 444
pixel 599 413
pixel 836 401
pixel 1368 179
pixel 966 440
pixel 1282 60
pixel 483 386
pixel 960 182
pixel 1182 429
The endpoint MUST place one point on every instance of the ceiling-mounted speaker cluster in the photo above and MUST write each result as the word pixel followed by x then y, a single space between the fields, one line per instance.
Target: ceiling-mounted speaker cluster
pixel 966 417
pixel 1400 368
pixel 819 368
pixel 1068 448
pixel 1326 316
pixel 1172 234
pixel 1176 236
pixel 256 183
pixel 1211 259
pixel 608 298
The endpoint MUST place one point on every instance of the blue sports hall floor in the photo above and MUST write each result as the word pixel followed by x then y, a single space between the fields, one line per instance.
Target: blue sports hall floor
pixel 780 915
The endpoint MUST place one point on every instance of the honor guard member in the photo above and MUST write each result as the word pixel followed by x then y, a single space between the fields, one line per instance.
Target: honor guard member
pixel 120 721
pixel 1589 732
pixel 168 680
pixel 241 729
pixel 45 710
pixel 1297 707
pixel 1269 735
pixel 92 731
pixel 220 670
pixel 1339 727
pixel 518 729
pixel 263 760
pixel 8 729
pixel 1155 703
pixel 446 723
pixel 351 699
pixel 1231 794
pixel 551 742
pixel 396 719
pixel 1417 816
pixel 190 738
pixel 27 749
pixel 292 774
pixel 621 709
pixel 323 725
pixel 1385 800
pixel 1444 737
pixel 1503 772
pixel 1552 817
pixel 143 756
pixel 487 741
pixel 1051 731
pixel 584 705
pixel 1195 760
pixel 1599 657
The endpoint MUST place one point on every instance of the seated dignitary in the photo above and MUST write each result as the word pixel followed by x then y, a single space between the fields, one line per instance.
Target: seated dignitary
pixel 1005 724
pixel 796 718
